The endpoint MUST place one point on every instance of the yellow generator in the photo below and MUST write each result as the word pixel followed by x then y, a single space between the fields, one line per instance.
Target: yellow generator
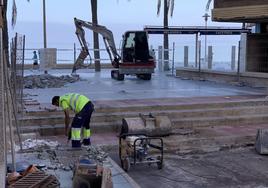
pixel 140 141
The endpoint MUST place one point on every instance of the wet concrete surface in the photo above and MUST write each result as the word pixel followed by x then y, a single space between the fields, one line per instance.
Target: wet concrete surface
pixel 241 167
pixel 100 86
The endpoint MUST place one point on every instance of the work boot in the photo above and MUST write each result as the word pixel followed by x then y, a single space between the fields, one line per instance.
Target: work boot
pixel 86 142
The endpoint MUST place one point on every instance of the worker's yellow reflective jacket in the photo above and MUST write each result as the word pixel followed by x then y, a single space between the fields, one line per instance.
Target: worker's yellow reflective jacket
pixel 73 101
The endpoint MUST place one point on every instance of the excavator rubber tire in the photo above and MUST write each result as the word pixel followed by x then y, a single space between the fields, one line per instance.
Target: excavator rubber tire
pixel 147 76
pixel 144 76
pixel 117 76
pixel 120 77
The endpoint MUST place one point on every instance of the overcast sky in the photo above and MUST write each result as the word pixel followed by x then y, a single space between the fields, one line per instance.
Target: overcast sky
pixel 142 12
pixel 117 15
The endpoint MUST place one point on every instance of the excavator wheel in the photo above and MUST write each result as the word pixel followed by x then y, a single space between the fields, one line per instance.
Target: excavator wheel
pixel 147 76
pixel 116 75
pixel 144 76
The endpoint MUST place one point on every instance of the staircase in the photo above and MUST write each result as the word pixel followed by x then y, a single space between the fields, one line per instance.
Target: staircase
pixel 184 114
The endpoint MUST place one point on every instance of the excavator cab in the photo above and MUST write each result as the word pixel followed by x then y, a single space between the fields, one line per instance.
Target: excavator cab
pixel 135 57
pixel 135 47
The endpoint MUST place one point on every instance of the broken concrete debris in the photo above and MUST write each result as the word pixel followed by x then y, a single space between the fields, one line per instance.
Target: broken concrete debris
pixel 48 81
pixel 37 144
pixel 97 154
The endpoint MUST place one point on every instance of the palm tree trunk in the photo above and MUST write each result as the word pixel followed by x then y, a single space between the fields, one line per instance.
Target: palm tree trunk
pixel 5 32
pixel 94 11
pixel 166 55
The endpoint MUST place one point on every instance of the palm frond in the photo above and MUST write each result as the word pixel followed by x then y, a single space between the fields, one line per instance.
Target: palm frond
pixel 172 7
pixel 208 5
pixel 14 14
pixel 168 4
pixel 158 7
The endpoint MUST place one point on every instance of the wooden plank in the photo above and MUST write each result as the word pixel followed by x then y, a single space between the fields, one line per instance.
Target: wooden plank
pixel 238 3
pixel 106 178
pixel 240 13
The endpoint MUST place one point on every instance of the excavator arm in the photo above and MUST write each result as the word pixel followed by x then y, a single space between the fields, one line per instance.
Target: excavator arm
pixel 107 38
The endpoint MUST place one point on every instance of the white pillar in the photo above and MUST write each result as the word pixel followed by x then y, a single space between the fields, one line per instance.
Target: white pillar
pixel 160 58
pixel 210 57
pixel 243 52
pixel 233 58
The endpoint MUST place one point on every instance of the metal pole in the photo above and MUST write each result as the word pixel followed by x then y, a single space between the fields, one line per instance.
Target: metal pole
pixel 238 63
pixel 206 44
pixel 173 55
pixel 199 57
pixel 74 53
pixel 44 24
pixel 206 16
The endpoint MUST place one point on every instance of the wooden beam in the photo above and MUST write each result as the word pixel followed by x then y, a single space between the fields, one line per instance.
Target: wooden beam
pixel 240 13
pixel 238 3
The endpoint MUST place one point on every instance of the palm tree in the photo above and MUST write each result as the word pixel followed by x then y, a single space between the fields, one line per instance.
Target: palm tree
pixel 94 12
pixel 168 6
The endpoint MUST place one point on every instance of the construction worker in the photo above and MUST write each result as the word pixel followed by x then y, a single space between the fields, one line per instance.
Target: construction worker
pixel 83 109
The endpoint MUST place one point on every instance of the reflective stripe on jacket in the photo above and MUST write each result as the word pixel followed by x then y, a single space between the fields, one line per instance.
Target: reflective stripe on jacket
pixel 73 101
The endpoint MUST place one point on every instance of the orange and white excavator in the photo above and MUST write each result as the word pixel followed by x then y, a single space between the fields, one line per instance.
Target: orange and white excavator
pixel 134 59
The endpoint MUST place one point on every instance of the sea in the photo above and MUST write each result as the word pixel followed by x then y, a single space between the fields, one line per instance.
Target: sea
pixel 63 38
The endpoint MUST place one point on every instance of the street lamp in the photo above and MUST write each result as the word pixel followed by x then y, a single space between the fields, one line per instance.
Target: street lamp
pixel 44 24
pixel 206 16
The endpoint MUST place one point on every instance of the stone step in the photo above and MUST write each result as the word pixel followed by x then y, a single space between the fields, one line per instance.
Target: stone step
pixel 218 121
pixel 161 106
pixel 177 123
pixel 58 129
pixel 172 114
pixel 211 139
pixel 206 145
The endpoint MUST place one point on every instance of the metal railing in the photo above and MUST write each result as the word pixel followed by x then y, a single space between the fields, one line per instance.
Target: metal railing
pixel 222 58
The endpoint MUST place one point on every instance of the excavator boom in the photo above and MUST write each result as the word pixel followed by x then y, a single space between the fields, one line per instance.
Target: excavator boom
pixel 107 38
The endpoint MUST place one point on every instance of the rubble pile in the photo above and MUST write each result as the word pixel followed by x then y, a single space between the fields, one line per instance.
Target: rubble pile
pixel 48 81
pixel 36 144
pixel 97 154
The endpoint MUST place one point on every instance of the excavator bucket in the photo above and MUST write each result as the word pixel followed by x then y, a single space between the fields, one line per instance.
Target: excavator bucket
pixel 79 63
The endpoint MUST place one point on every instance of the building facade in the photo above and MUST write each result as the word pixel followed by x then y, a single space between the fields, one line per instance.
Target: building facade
pixel 249 12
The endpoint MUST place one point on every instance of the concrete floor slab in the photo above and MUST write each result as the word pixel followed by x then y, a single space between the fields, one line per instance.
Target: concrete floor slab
pixel 233 168
pixel 99 86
